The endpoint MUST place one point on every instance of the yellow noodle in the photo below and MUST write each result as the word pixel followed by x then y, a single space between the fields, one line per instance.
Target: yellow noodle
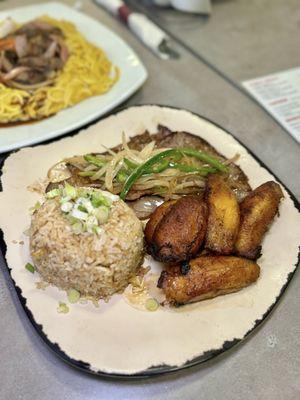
pixel 87 72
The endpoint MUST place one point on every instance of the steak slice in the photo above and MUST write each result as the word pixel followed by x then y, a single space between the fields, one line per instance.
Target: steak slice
pixel 236 179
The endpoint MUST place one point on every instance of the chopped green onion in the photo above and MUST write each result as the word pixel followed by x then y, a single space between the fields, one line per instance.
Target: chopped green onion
pixel 30 268
pixel 79 214
pixel 35 207
pixel 82 208
pixel 121 176
pixel 85 208
pixel 94 160
pixel 62 308
pixel 73 295
pixel 70 191
pixel 86 203
pixel 64 199
pixel 91 220
pixel 96 202
pixel 77 227
pixel 66 207
pixel 53 193
pixel 71 219
pixel 97 230
pixel 99 200
pixel 151 304
pixel 86 173
pixel 130 164
pixel 102 214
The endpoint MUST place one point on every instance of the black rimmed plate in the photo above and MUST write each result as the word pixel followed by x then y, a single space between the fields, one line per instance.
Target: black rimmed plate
pixel 116 339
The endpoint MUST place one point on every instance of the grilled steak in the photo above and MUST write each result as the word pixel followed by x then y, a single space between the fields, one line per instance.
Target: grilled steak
pixel 236 179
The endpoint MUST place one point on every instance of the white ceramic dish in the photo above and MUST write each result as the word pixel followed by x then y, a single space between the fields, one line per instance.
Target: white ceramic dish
pixel 115 338
pixel 133 75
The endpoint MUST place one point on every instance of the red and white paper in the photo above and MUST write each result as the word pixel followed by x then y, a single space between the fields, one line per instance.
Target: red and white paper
pixel 279 94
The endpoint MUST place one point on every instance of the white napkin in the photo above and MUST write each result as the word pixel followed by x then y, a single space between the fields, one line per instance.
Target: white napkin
pixel 148 32
pixel 194 6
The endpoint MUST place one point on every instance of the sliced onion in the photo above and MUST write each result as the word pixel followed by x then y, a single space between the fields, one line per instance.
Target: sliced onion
pixel 39 24
pixel 14 73
pixel 64 52
pixel 144 206
pixel 7 27
pixel 24 86
pixel 6 65
pixel 21 45
pixel 50 52
pixel 59 172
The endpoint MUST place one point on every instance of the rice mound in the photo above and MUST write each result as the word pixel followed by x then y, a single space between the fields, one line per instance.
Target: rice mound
pixel 95 265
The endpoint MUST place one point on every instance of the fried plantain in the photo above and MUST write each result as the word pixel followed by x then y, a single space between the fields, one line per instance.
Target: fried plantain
pixel 155 218
pixel 180 232
pixel 223 216
pixel 258 210
pixel 207 277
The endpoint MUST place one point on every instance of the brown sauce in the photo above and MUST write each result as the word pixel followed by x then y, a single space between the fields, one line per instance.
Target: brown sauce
pixel 20 123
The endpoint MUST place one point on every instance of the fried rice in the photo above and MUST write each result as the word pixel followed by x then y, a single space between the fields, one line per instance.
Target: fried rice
pixel 97 265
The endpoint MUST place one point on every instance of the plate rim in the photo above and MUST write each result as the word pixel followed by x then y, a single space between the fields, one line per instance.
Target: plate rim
pixel 92 118
pixel 165 368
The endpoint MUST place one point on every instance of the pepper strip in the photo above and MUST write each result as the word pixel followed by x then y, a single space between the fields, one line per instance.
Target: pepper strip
pixel 146 167
pixel 143 168
pixel 165 164
pixel 94 160
pixel 130 164
pixel 200 155
pixel 188 168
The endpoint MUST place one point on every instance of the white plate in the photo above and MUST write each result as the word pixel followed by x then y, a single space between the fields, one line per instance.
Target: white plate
pixel 116 338
pixel 133 75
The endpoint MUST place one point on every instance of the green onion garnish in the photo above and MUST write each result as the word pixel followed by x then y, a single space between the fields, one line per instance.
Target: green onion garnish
pixel 99 200
pixel 82 208
pixel 53 193
pixel 86 173
pixel 151 304
pixel 62 308
pixel 130 164
pixel 30 268
pixel 70 191
pixel 94 160
pixel 35 207
pixel 73 295
pixel 121 176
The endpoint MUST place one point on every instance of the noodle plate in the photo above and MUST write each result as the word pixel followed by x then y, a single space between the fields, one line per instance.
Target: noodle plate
pixel 87 72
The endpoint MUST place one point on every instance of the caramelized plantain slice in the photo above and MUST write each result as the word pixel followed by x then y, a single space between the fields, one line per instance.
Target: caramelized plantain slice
pixel 180 232
pixel 207 277
pixel 155 218
pixel 258 210
pixel 223 216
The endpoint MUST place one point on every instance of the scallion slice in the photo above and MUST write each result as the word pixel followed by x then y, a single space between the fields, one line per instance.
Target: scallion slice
pixel 62 308
pixel 151 304
pixel 73 295
pixel 30 268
